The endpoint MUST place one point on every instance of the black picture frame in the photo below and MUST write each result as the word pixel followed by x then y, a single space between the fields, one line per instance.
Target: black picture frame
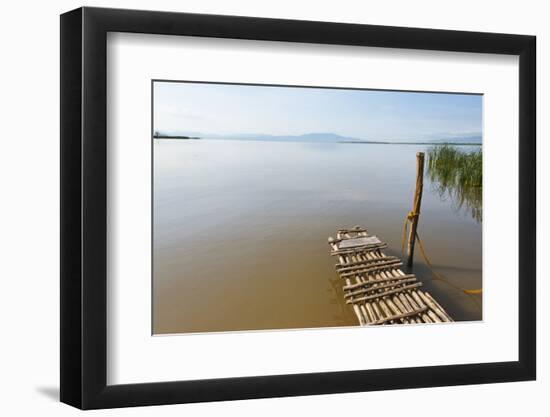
pixel 84 207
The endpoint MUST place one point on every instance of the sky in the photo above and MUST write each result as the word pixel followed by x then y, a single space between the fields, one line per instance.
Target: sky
pixel 223 109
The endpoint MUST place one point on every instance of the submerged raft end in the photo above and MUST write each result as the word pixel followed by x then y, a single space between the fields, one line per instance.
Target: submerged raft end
pixel 377 289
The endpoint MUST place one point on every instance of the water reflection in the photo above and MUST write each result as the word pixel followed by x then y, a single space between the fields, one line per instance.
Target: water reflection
pixel 457 175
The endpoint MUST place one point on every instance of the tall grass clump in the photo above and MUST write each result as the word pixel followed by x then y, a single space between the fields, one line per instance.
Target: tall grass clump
pixel 459 175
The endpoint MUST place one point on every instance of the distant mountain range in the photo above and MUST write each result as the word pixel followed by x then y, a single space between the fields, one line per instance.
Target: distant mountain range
pixel 459 139
pixel 321 138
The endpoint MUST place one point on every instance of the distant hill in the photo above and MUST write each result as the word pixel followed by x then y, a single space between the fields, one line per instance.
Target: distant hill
pixel 460 139
pixel 308 137
pixel 323 137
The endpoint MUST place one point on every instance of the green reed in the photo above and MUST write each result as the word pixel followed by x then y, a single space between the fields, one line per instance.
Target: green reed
pixel 459 175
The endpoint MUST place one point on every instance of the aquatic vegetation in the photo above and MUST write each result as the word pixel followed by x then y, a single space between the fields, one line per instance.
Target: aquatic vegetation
pixel 458 175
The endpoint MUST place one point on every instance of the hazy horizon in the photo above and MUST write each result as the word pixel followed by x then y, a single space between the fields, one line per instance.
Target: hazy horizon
pixel 234 110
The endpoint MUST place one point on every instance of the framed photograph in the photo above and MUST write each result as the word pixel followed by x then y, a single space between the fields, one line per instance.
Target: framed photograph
pixel 257 208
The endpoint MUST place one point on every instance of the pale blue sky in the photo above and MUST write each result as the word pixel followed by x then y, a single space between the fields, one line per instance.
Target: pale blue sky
pixel 362 114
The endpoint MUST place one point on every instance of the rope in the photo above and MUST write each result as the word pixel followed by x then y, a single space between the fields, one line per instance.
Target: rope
pixel 409 218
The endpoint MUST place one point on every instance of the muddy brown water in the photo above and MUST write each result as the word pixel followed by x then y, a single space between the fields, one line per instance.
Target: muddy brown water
pixel 240 232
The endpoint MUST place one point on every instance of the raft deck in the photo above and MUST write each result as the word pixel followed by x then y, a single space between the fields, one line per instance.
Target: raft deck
pixel 375 286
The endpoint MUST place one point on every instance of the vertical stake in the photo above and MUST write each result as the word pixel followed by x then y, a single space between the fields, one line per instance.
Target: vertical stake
pixel 416 206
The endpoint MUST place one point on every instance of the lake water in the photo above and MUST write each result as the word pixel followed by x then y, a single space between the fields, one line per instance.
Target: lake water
pixel 241 228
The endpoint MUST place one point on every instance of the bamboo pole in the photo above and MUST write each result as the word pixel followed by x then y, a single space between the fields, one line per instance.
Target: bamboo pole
pixel 416 206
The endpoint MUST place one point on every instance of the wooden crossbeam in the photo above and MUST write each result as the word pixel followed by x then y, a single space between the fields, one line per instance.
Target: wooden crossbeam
pixel 359 249
pixel 401 316
pixel 373 269
pixel 384 294
pixel 379 287
pixel 377 281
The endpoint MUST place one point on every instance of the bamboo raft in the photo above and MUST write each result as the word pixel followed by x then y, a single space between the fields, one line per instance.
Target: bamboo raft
pixel 378 291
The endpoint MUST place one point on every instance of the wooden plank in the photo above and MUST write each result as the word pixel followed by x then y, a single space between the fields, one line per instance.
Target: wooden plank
pixel 359 241
pixel 356 229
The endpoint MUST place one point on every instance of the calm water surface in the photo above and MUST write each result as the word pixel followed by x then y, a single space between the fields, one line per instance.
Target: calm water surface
pixel 241 228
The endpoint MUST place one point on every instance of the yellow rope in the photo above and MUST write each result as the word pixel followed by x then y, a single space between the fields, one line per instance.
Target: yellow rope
pixel 409 218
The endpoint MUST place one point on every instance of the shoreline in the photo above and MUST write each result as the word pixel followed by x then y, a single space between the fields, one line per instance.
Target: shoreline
pixel 413 143
pixel 176 137
pixel 342 141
